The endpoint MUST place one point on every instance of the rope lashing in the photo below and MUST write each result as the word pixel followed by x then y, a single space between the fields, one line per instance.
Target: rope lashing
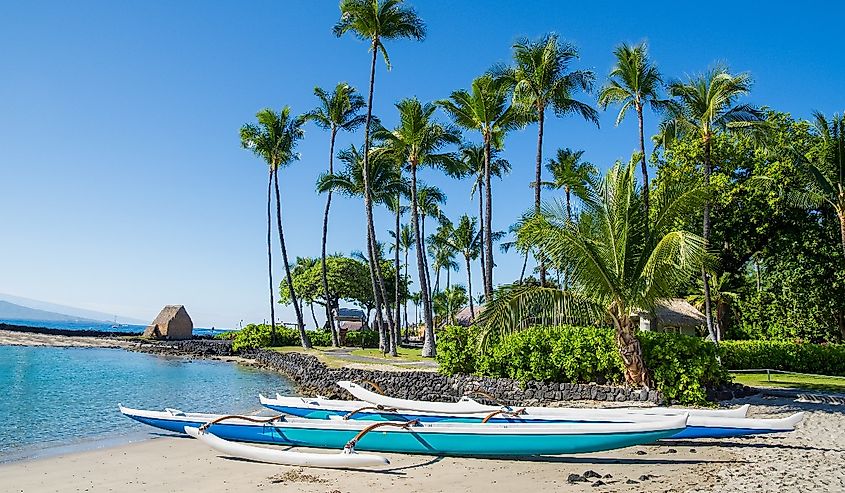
pixel 374 385
pixel 378 407
pixel 350 445
pixel 280 417
pixel 517 412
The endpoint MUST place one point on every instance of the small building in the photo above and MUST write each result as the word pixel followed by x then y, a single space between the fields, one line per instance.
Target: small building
pixel 172 323
pixel 349 319
pixel 674 315
pixel 464 316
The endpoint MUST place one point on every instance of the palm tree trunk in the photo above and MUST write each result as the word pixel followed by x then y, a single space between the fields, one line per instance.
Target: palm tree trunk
pixel 329 313
pixel 300 325
pixel 708 311
pixel 448 294
pixel 537 180
pixel 642 152
pixel 636 372
pixel 429 349
pixel 524 265
pixel 314 315
pixel 394 333
pixel 841 215
pixel 469 289
pixel 488 222
pixel 405 301
pixel 481 233
pixel 270 257
pixel 568 203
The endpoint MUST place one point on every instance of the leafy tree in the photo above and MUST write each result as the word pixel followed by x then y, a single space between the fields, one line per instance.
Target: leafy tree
pixel 634 81
pixel 376 21
pixel 570 174
pixel 485 108
pixel 274 140
pixel 618 263
pixel 338 110
pixel 540 78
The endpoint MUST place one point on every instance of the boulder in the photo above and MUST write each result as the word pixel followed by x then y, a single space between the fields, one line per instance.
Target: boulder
pixel 173 323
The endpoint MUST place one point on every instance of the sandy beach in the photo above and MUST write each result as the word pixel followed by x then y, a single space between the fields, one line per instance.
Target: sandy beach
pixel 808 459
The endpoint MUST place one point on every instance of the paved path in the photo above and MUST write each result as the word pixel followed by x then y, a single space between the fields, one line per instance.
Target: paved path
pixel 346 355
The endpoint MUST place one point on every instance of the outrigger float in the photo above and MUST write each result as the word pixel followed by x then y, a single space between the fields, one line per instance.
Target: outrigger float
pixel 703 423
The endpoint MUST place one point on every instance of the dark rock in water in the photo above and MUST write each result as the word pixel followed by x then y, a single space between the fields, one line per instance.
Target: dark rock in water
pixel 591 474
pixel 631 481
pixel 575 478
pixel 597 483
pixel 645 477
pixel 641 452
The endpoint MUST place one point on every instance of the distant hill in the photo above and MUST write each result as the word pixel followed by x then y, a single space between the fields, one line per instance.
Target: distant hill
pixel 65 313
pixel 11 311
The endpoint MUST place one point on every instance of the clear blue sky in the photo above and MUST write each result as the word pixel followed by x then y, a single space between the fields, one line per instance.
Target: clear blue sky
pixel 122 183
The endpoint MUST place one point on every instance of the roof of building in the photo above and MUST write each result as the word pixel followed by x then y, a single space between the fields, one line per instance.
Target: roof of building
pixel 678 312
pixel 350 314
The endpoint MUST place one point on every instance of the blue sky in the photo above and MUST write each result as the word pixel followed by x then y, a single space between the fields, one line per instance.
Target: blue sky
pixel 122 183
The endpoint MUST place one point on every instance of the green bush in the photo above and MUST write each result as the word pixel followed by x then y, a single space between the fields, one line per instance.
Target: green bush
pixel 823 359
pixel 355 338
pixel 682 367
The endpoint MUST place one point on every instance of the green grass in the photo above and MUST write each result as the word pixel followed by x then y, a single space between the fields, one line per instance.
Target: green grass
pixel 404 354
pixel 786 381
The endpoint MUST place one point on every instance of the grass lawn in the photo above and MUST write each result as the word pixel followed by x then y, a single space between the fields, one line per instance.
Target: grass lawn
pixel 404 354
pixel 786 381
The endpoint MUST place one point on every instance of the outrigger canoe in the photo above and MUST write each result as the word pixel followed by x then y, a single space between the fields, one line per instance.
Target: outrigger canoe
pixel 697 426
pixel 457 439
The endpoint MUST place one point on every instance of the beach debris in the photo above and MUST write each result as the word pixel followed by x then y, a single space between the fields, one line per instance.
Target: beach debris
pixel 172 323
pixel 296 476
pixel 670 451
pixel 576 478
pixel 591 474
pixel 645 477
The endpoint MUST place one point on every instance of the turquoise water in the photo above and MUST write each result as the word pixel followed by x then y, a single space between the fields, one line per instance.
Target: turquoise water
pixel 52 397
pixel 98 326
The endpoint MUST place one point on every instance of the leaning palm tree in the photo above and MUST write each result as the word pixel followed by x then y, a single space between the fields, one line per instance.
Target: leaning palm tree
pixel 466 240
pixel 338 110
pixel 571 174
pixel 633 82
pixel 474 158
pixel 384 184
pixel 540 79
pixel 703 106
pixel 619 264
pixel 376 21
pixel 418 141
pixel 485 108
pixel 274 140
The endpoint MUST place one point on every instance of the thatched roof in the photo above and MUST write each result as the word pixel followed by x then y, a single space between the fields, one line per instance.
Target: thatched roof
pixel 678 312
pixel 464 316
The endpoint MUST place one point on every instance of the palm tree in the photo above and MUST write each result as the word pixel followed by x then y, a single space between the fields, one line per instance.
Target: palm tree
pixel 376 21
pixel 406 242
pixel 274 140
pixel 338 110
pixel 395 206
pixel 570 174
pixel 418 140
pixel 384 184
pixel 429 200
pixel 473 157
pixel 633 82
pixel 540 79
pixel 619 264
pixel 441 251
pixel 466 239
pixel 723 296
pixel 703 106
pixel 485 108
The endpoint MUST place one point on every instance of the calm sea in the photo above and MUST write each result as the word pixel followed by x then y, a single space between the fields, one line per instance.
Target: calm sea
pixel 53 397
pixel 100 326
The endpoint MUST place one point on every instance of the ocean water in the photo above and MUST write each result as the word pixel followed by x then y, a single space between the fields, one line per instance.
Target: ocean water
pixel 51 397
pixel 99 326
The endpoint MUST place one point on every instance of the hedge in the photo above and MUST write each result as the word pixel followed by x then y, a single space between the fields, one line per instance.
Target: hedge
pixel 823 359
pixel 258 335
pixel 683 367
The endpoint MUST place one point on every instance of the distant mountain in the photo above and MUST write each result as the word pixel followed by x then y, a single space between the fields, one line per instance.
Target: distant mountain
pixel 66 313
pixel 11 311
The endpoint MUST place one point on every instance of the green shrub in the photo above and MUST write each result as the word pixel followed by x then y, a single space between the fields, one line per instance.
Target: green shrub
pixel 368 336
pixel 823 359
pixel 682 367
pixel 258 335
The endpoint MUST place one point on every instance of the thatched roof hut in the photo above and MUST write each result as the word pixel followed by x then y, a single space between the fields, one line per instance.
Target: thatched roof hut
pixel 173 322
pixel 671 315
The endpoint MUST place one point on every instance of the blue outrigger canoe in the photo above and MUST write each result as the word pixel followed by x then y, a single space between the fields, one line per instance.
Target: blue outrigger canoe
pixel 458 439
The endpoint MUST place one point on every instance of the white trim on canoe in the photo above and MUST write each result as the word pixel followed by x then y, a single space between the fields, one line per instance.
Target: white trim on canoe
pixel 581 428
pixel 467 405
pixel 286 457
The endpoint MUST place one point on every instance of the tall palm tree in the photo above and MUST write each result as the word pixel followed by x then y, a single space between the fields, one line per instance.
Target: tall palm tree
pixel 274 139
pixel 634 81
pixel 406 242
pixel 384 183
pixel 570 174
pixel 338 110
pixel 619 264
pixel 429 200
pixel 440 250
pixel 701 107
pixel 473 156
pixel 395 206
pixel 540 79
pixel 376 21
pixel 485 108
pixel 418 140
pixel 466 239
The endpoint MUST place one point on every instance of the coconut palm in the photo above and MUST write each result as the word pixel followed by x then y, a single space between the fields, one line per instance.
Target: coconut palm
pixel 395 206
pixel 338 111
pixel 473 156
pixel 466 239
pixel 441 251
pixel 619 264
pixel 418 141
pixel 485 108
pixel 376 21
pixel 703 106
pixel 723 295
pixel 540 80
pixel 274 139
pixel 634 81
pixel 570 174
